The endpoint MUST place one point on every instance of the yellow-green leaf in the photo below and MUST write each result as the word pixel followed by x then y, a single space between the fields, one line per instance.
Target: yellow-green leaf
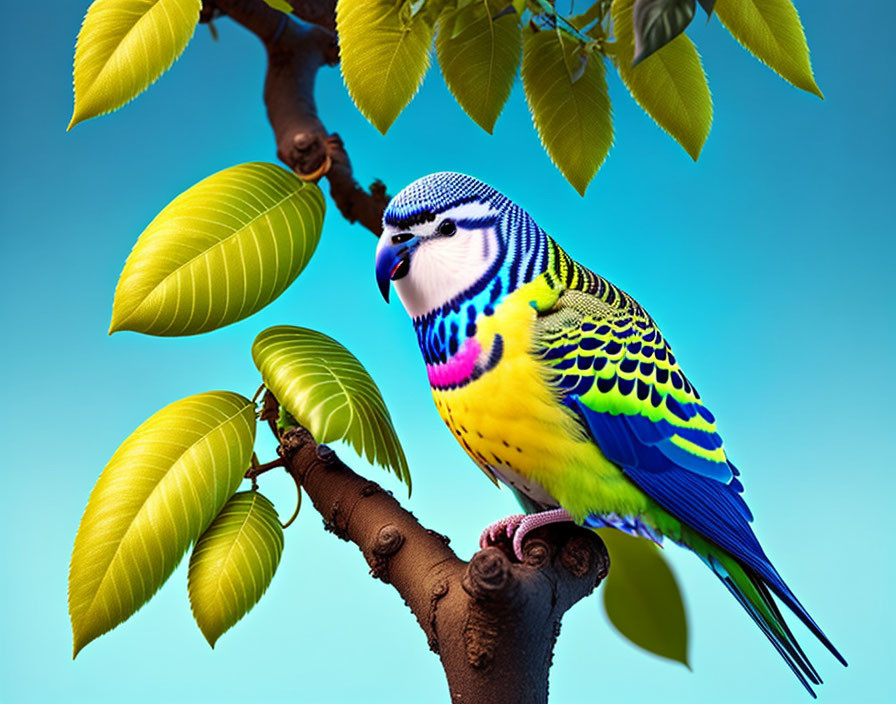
pixel 281 5
pixel 771 30
pixel 592 14
pixel 670 84
pixel 479 63
pixel 233 563
pixel 329 392
pixel 642 598
pixel 158 493
pixel 219 252
pixel 125 45
pixel 566 89
pixel 383 58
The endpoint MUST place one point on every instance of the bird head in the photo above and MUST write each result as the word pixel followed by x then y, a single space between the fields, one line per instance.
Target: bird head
pixel 441 237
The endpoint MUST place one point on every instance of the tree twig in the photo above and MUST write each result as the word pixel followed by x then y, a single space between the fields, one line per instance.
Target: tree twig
pixel 296 52
pixel 493 620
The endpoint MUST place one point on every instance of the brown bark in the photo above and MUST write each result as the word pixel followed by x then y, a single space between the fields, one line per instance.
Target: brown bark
pixel 296 52
pixel 493 621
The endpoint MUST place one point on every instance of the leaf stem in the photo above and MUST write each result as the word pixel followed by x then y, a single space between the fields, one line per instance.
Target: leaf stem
pixel 298 501
pixel 258 469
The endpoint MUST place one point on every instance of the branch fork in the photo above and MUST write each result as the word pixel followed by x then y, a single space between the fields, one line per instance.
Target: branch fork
pixel 493 621
pixel 296 51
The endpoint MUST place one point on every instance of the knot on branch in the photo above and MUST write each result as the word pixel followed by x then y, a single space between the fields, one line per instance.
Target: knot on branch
pixel 388 541
pixel 337 522
pixel 437 592
pixel 325 454
pixel 581 554
pixel 490 580
pixel 370 488
pixel 292 442
pixel 536 552
pixel 489 576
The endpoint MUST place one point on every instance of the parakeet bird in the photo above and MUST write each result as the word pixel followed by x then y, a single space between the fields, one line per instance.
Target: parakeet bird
pixel 561 386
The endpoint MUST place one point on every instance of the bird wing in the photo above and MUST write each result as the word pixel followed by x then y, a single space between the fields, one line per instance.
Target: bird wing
pixel 612 366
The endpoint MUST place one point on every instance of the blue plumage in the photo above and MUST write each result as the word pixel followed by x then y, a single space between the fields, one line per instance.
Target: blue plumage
pixel 605 359
pixel 708 502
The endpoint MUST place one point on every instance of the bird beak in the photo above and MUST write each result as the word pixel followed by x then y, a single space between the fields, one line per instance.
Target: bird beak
pixel 394 262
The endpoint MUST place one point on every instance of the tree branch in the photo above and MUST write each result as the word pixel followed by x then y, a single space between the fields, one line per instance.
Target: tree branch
pixel 492 621
pixel 296 51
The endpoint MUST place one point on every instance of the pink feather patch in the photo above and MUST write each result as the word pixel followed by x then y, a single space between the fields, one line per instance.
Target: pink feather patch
pixel 458 368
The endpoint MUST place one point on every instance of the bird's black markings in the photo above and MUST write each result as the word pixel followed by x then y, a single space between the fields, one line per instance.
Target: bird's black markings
pixel 643 390
pixel 495 291
pixel 604 385
pixel 628 365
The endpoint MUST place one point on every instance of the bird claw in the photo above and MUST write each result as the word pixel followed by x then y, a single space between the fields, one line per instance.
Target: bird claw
pixel 505 528
pixel 518 526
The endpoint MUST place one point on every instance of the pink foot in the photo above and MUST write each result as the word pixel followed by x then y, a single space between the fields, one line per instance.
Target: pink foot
pixel 505 527
pixel 519 526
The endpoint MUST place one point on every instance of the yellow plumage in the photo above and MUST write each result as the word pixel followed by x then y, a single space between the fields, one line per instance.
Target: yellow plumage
pixel 510 418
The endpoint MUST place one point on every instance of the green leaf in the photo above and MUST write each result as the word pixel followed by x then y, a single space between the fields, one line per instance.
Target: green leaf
pixel 567 94
pixel 326 389
pixel 670 85
pixel 658 22
pixel 219 252
pixel 480 62
pixel 125 45
pixel 281 5
pixel 233 563
pixel 771 30
pixel 707 6
pixel 383 58
pixel 158 493
pixel 590 15
pixel 642 598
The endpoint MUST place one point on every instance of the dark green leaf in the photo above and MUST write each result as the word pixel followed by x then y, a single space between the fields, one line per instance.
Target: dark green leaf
pixel 707 6
pixel 642 598
pixel 658 22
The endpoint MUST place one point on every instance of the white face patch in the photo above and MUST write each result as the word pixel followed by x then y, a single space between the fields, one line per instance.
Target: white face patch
pixel 443 267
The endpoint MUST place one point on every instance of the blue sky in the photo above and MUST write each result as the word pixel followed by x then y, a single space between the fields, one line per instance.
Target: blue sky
pixel 768 264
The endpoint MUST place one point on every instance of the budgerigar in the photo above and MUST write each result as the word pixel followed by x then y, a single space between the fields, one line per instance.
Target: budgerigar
pixel 561 386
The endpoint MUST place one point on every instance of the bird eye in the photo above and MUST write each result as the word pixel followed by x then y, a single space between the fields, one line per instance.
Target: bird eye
pixel 447 228
pixel 401 237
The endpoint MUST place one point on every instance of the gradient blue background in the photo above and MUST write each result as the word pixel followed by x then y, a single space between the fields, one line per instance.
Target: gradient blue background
pixel 769 265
